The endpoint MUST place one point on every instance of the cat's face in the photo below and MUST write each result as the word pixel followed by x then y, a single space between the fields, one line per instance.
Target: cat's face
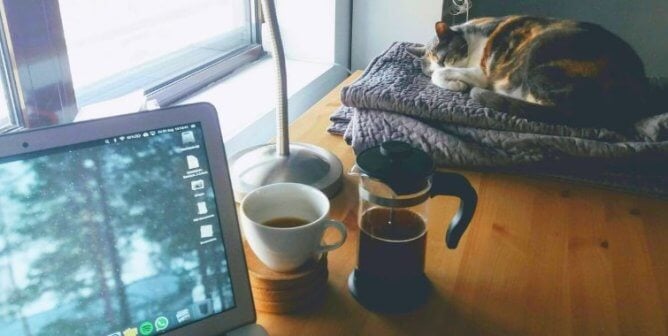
pixel 448 48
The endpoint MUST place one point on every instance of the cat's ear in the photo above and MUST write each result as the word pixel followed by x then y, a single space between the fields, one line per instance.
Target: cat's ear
pixel 442 30
pixel 417 50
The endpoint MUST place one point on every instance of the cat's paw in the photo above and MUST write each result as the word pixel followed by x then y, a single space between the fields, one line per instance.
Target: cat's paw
pixel 449 73
pixel 453 85
pixel 441 81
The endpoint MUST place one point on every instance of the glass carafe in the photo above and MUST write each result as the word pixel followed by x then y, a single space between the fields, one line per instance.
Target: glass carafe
pixel 396 182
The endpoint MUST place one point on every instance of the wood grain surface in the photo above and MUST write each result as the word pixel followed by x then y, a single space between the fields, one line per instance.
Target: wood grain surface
pixel 541 257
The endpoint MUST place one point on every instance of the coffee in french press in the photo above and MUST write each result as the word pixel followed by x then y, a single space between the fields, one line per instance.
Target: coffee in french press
pixel 396 182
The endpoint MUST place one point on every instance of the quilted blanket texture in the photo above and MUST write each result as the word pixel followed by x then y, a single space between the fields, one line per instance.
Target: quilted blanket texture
pixel 393 100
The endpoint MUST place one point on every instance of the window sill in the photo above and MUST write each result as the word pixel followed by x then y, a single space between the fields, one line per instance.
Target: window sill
pixel 246 100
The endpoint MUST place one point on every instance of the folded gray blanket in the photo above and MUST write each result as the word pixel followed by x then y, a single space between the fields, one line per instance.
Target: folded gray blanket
pixel 394 100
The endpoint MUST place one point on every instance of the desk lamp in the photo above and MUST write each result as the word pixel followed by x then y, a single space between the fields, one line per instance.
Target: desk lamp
pixel 283 162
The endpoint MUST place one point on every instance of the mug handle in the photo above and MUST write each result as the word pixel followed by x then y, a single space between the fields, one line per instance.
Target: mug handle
pixel 453 184
pixel 339 227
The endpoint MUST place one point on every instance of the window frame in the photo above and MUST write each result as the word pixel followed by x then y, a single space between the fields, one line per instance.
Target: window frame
pixel 37 68
pixel 10 92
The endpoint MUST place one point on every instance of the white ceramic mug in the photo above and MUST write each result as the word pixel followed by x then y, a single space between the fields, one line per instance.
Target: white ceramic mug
pixel 284 249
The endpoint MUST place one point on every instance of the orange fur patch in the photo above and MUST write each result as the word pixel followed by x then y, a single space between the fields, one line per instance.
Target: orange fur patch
pixel 502 84
pixel 575 68
pixel 528 34
pixel 487 53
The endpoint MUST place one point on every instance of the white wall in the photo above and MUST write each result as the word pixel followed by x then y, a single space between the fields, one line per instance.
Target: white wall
pixel 315 31
pixel 378 23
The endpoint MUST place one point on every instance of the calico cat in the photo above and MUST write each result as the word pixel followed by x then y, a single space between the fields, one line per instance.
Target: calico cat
pixel 542 69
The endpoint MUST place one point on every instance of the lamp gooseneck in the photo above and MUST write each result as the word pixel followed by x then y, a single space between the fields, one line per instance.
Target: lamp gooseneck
pixel 282 133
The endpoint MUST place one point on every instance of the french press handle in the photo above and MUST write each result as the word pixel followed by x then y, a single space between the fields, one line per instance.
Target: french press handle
pixel 453 184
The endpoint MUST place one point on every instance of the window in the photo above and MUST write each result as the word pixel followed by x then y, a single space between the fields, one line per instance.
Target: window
pixel 6 101
pixel 8 116
pixel 4 107
pixel 84 52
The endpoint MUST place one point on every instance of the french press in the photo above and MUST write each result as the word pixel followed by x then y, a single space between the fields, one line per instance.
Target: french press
pixel 396 182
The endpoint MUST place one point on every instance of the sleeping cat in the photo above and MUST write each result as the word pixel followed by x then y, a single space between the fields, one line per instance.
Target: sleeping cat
pixel 542 69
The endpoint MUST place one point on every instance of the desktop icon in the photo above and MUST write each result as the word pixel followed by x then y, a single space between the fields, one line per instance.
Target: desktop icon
pixel 161 323
pixel 130 332
pixel 146 328
pixel 192 161
pixel 188 137
pixel 201 208
pixel 197 185
pixel 118 333
pixel 183 315
pixel 206 231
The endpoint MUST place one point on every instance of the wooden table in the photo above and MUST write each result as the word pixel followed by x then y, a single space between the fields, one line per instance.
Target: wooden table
pixel 540 257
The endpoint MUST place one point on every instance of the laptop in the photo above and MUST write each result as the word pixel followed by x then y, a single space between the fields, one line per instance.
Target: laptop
pixel 122 226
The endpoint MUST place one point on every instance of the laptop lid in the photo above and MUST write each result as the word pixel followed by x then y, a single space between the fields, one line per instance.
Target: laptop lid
pixel 121 226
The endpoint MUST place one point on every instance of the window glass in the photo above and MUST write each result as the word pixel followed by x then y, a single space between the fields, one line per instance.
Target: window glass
pixel 121 46
pixel 4 106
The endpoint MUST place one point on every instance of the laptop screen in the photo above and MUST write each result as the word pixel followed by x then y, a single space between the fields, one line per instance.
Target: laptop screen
pixel 118 236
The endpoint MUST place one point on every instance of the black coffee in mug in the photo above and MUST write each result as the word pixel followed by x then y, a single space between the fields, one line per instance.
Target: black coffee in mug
pixel 392 243
pixel 285 222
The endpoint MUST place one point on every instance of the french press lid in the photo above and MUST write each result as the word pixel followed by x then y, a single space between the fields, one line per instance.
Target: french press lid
pixel 403 168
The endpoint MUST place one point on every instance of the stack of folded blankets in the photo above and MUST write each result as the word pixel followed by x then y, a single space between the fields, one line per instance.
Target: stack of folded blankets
pixel 393 100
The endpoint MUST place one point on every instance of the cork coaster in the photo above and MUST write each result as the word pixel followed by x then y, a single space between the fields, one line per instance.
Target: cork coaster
pixel 263 277
pixel 283 292
pixel 291 293
pixel 292 306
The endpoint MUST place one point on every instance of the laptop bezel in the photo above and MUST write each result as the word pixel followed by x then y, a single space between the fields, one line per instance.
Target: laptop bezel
pixel 69 134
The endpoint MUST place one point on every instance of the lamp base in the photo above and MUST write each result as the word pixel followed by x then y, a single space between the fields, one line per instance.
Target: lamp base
pixel 307 164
